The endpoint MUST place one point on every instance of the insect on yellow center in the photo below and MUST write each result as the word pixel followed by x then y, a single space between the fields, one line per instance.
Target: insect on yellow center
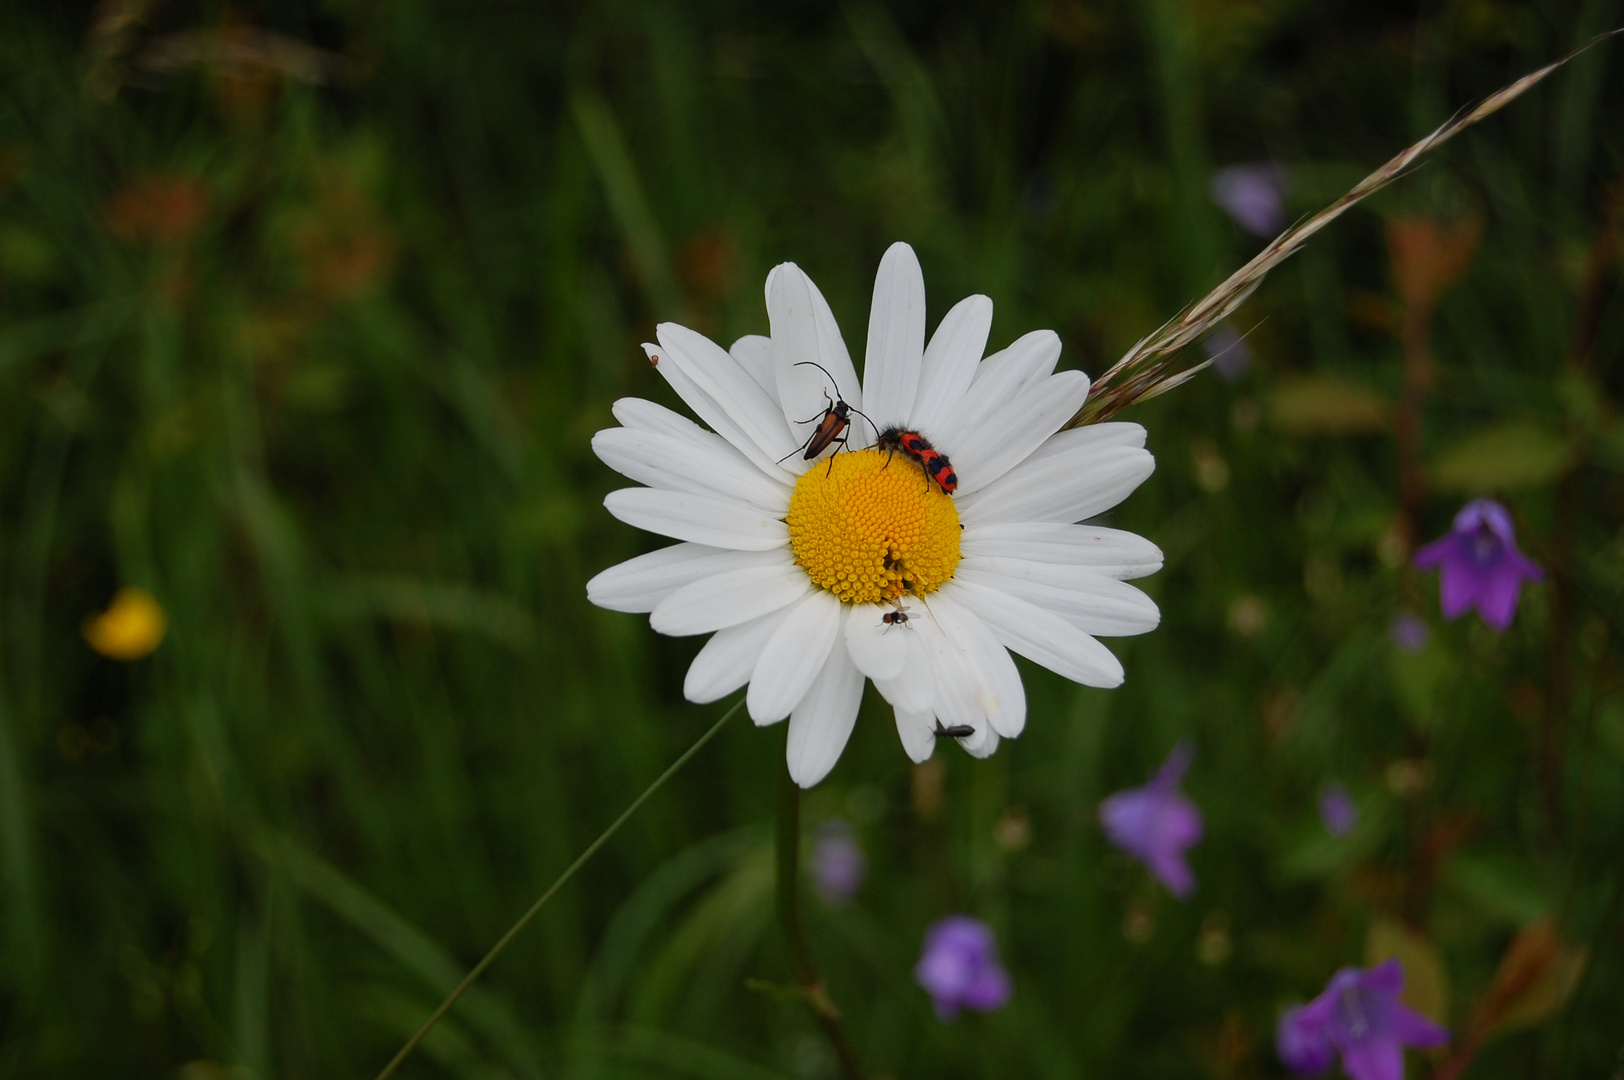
pixel 872 527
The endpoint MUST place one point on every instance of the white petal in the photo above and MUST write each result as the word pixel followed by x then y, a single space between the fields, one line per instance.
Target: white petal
pixel 646 416
pixel 1111 552
pixel 703 520
pixel 728 658
pixel 832 352
pixel 992 672
pixel 950 363
pixel 724 395
pixel 1007 437
pixel 982 743
pixel 700 462
pixel 831 344
pixel 879 649
pixel 1114 433
pixel 1093 603
pixel 728 599
pixel 820 725
pixel 917 732
pixel 706 407
pixel 896 338
pixel 754 352
pixel 1041 636
pixel 811 373
pixel 637 585
pixel 957 700
pixel 793 656
pixel 804 391
pixel 1001 376
pixel 641 415
pixel 914 687
pixel 1069 478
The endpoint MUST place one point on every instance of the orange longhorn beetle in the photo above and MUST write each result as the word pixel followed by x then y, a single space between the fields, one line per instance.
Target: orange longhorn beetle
pixel 832 422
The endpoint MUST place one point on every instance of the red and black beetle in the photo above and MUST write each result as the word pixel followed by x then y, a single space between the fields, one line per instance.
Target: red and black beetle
pixel 915 446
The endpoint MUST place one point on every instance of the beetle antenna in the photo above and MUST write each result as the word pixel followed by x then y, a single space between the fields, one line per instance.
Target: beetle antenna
pixel 871 423
pixel 820 367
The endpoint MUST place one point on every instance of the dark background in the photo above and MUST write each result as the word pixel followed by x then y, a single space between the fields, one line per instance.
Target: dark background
pixel 308 312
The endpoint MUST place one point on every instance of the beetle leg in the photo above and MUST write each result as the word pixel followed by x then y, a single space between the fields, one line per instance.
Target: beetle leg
pixel 798 449
pixel 842 442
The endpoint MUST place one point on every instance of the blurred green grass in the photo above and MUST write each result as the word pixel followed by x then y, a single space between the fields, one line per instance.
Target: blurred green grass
pixel 307 335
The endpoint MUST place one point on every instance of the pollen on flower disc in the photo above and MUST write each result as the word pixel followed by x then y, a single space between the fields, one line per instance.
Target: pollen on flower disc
pixel 870 527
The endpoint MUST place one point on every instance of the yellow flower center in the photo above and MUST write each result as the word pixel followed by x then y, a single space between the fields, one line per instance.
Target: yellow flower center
pixel 872 526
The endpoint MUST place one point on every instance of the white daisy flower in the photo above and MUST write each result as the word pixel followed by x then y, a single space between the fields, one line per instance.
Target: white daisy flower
pixel 812 575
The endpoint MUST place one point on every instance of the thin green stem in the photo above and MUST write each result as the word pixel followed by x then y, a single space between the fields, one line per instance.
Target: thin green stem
pixel 524 920
pixel 789 915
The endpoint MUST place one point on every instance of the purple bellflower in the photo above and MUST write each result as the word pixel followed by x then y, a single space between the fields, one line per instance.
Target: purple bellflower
pixel 1337 809
pixel 1252 196
pixel 1157 823
pixel 838 865
pixel 959 967
pixel 1479 564
pixel 1360 1017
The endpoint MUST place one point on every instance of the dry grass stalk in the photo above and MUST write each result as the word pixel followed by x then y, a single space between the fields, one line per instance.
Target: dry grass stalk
pixel 1142 372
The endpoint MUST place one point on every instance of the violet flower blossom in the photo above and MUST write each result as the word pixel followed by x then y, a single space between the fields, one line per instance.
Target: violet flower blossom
pixel 1479 564
pixel 1157 823
pixel 1360 1017
pixel 959 967
pixel 1252 196
pixel 1337 809
pixel 838 866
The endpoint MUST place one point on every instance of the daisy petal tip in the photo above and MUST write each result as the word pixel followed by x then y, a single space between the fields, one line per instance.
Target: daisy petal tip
pixel 760 712
pixel 661 622
pixel 982 748
pixel 922 754
pixel 806 771
pixel 1108 673
pixel 602 591
pixel 763 711
pixel 901 249
pixel 700 692
pixel 1006 723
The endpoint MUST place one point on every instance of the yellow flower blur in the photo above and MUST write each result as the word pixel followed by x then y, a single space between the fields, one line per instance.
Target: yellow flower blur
pixel 131 627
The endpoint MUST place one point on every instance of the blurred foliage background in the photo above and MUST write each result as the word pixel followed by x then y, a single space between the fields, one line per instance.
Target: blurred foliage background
pixel 308 310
